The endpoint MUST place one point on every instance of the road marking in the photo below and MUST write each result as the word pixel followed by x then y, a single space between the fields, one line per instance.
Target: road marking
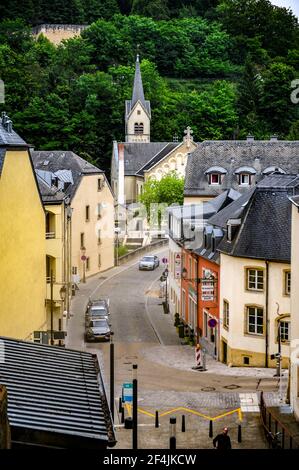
pixel 188 410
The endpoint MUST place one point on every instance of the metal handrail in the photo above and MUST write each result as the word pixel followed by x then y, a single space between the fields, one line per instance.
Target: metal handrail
pixel 50 235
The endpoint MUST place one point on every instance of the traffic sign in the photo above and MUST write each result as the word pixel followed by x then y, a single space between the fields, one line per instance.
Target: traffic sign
pixel 83 258
pixel 127 392
pixel 212 323
pixel 164 260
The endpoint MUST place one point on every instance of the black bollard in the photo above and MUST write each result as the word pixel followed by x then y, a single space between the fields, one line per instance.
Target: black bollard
pixel 183 424
pixel 122 420
pixel 120 405
pixel 157 420
pixel 211 429
pixel 172 437
pixel 239 433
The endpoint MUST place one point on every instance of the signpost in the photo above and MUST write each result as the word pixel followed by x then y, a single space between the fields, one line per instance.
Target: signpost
pixel 178 265
pixel 212 322
pixel 127 392
pixel 164 260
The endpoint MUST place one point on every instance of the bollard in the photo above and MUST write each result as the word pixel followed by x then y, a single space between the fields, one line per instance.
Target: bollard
pixel 120 405
pixel 183 424
pixel 239 433
pixel 172 437
pixel 157 420
pixel 122 420
pixel 211 429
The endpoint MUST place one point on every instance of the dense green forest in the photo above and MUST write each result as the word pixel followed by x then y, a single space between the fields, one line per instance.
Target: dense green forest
pixel 224 67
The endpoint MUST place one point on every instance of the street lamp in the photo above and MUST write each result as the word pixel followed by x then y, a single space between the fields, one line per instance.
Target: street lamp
pixel 62 293
pixel 135 409
pixel 83 259
pixel 117 232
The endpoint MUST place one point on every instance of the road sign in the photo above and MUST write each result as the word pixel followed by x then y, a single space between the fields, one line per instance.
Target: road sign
pixel 164 260
pixel 127 392
pixel 212 323
pixel 83 258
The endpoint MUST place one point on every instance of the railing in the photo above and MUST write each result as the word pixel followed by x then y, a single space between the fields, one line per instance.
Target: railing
pixel 48 279
pixel 277 434
pixel 50 235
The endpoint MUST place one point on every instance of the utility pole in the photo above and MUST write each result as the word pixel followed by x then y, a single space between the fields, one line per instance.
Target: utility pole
pixel 135 409
pixel 51 300
pixel 112 375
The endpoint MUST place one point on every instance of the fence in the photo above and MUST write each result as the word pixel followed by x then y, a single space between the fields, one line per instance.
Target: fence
pixel 277 434
pixel 140 251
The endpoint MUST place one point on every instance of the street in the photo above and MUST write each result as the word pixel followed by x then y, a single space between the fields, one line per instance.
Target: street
pixel 144 335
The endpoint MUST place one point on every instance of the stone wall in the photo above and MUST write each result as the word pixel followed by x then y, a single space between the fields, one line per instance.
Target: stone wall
pixel 58 32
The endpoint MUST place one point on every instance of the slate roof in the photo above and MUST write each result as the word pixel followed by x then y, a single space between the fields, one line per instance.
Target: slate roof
pixel 158 157
pixel 55 161
pixel 279 182
pixel 234 210
pixel 265 232
pixel 10 139
pixel 49 194
pixel 295 200
pixel 138 154
pixel 138 93
pixel 232 155
pixel 2 157
pixel 56 396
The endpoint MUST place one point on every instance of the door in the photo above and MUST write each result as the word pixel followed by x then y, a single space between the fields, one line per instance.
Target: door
pixel 224 352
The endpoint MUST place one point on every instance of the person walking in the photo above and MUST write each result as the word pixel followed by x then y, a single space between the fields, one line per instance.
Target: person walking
pixel 222 441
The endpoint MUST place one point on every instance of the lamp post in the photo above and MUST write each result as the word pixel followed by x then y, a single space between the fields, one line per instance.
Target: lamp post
pixel 112 375
pixel 135 410
pixel 117 232
pixel 83 258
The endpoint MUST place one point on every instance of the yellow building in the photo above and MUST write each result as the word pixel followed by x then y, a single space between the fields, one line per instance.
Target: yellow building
pixel 91 202
pixel 255 274
pixel 294 366
pixel 22 240
pixel 58 257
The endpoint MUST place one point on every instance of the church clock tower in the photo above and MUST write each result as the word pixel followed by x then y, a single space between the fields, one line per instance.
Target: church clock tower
pixel 138 111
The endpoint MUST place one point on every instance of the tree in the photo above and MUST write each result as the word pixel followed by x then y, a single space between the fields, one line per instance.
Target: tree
pixel 157 9
pixel 157 195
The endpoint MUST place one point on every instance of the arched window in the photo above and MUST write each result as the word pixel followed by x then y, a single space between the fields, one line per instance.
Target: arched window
pixel 138 128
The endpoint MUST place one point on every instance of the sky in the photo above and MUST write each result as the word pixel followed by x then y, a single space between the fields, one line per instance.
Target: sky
pixel 293 4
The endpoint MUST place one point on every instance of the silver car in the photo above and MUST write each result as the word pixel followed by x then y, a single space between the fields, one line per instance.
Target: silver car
pixel 149 263
pixel 98 330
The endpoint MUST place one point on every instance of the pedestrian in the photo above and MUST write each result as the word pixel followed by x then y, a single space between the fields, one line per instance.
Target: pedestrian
pixel 222 441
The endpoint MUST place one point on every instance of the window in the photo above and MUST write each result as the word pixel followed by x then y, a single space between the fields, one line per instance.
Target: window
pixel 215 178
pixel 87 263
pixel 192 313
pixel 287 282
pixel 285 331
pixel 99 237
pixel 244 179
pixel 74 270
pixel 255 320
pixel 99 261
pixel 138 112
pixel 87 213
pixel 138 128
pixel 190 269
pixel 100 184
pixel 255 279
pixel 225 314
pixel 81 240
pixel 205 324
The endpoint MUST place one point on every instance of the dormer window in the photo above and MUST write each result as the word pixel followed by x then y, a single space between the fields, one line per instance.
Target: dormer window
pixel 215 175
pixel 244 179
pixel 215 178
pixel 245 175
pixel 138 128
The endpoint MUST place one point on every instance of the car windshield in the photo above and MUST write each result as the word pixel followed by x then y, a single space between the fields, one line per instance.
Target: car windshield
pixel 148 258
pixel 98 323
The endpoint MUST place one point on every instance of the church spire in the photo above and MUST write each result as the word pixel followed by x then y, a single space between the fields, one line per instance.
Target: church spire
pixel 138 93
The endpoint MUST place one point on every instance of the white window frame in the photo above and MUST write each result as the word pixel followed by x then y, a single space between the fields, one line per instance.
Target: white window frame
pixel 218 179
pixel 226 314
pixel 285 329
pixel 256 280
pixel 255 324
pixel 247 176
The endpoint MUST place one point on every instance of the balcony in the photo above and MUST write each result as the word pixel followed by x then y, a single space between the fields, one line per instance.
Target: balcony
pixel 50 235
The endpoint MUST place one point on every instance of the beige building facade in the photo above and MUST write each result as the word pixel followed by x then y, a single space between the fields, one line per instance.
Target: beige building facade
pixel 294 365
pixel 250 308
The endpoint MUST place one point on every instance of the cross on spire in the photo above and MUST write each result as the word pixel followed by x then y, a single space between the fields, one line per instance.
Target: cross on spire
pixel 188 138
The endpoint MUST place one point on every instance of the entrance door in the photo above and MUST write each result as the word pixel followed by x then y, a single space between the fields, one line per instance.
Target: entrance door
pixel 224 352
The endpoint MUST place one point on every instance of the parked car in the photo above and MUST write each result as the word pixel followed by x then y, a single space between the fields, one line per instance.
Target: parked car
pixel 97 309
pixel 97 330
pixel 149 263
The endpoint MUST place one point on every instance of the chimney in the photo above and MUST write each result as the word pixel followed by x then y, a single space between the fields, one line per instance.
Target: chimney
pixel 274 138
pixel 6 122
pixel 250 138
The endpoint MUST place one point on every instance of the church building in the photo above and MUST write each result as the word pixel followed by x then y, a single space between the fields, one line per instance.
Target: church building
pixel 137 159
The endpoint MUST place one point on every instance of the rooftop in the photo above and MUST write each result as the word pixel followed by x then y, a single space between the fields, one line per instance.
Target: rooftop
pixel 56 397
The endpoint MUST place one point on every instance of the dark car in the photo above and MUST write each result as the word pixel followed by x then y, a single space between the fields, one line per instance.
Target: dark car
pixel 97 309
pixel 149 263
pixel 97 330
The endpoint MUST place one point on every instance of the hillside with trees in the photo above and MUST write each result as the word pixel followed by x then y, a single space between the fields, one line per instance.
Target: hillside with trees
pixel 224 67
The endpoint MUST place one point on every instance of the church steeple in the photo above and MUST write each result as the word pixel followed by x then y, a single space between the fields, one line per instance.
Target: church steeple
pixel 138 111
pixel 138 93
